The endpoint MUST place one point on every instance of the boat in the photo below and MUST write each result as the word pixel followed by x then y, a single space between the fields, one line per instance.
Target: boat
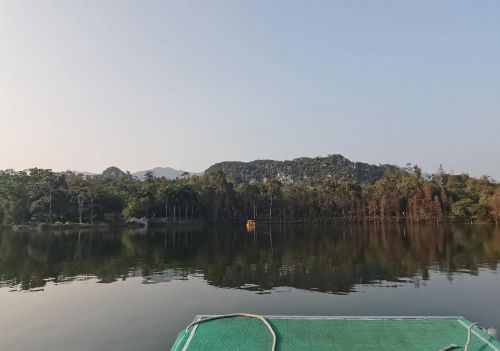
pixel 249 332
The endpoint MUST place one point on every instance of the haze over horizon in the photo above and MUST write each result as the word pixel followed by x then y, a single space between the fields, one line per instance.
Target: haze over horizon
pixel 137 85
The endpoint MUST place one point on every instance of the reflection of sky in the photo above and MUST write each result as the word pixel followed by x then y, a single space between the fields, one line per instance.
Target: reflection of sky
pixel 135 292
pixel 174 83
pixel 130 315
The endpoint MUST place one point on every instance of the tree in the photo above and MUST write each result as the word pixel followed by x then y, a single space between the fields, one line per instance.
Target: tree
pixel 165 195
pixel 273 190
pixel 495 205
pixel 14 196
pixel 462 210
pixel 41 189
pixel 398 194
pixel 92 189
pixel 78 193
pixel 137 207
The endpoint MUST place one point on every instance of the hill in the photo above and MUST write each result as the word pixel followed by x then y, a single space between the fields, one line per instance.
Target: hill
pixel 113 173
pixel 304 168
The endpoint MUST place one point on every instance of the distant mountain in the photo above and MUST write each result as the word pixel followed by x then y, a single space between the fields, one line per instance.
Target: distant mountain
pixel 304 168
pixel 165 172
pixel 82 173
pixel 115 173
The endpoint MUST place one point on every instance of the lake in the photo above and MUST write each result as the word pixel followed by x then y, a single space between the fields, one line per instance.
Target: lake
pixel 126 289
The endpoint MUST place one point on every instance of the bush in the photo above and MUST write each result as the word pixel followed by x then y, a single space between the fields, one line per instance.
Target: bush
pixel 462 210
pixel 137 208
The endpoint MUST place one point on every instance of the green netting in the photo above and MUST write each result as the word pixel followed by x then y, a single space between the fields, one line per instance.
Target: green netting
pixel 332 334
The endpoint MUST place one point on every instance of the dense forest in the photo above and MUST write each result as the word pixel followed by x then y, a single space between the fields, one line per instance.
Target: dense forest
pixel 229 192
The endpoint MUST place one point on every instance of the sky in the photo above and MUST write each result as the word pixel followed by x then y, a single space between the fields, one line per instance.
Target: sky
pixel 138 84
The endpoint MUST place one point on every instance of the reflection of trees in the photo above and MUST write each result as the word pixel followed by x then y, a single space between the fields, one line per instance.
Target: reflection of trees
pixel 324 258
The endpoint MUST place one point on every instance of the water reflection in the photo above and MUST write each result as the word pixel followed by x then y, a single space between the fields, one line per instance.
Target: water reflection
pixel 333 259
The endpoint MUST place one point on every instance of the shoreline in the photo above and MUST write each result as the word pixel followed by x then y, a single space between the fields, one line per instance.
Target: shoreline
pixel 159 224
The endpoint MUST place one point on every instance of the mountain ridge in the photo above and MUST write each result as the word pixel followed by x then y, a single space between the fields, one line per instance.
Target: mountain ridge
pixel 312 169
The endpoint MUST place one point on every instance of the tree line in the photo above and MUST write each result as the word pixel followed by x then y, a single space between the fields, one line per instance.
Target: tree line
pixel 401 194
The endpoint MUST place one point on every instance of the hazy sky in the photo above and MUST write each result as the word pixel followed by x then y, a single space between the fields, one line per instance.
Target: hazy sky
pixel 139 84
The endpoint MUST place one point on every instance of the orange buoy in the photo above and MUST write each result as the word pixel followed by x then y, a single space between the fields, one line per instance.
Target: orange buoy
pixel 250 225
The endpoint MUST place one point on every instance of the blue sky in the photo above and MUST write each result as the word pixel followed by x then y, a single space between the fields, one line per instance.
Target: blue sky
pixel 139 84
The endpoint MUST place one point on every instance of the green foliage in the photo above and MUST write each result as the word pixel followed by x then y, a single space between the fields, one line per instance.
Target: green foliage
pixel 14 196
pixel 138 207
pixel 15 212
pixel 259 190
pixel 462 209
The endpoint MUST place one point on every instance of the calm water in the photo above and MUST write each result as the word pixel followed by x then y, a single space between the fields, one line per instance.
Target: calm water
pixel 134 290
